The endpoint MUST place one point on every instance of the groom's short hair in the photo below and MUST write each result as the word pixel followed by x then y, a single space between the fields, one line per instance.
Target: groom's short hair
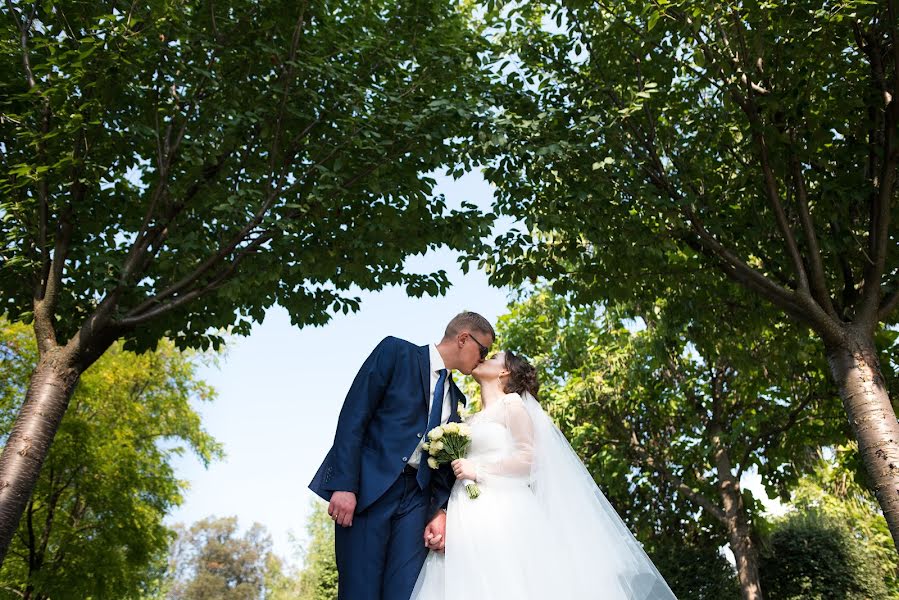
pixel 471 321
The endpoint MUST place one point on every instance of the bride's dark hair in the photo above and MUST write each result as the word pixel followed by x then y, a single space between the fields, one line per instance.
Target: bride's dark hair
pixel 522 375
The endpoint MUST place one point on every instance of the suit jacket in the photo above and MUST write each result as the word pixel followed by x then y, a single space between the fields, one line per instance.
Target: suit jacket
pixel 383 418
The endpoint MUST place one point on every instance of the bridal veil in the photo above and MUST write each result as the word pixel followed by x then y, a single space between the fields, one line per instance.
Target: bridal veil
pixel 606 560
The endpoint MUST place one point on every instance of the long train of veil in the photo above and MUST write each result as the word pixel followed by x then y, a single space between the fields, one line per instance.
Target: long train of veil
pixel 606 560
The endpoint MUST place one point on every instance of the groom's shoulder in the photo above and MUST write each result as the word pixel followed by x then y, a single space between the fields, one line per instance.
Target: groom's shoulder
pixel 396 344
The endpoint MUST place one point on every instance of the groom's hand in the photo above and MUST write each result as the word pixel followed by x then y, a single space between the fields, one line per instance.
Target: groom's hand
pixel 341 508
pixel 435 532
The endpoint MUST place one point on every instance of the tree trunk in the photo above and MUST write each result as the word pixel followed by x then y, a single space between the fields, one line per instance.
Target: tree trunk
pixel 856 370
pixel 740 538
pixel 735 520
pixel 46 400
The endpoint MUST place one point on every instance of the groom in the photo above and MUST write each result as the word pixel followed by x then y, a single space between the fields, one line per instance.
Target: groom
pixel 388 505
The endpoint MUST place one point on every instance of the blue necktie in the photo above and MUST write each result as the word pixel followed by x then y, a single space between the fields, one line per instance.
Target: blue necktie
pixel 424 471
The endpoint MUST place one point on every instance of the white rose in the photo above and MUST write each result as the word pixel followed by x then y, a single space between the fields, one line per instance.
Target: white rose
pixel 465 430
pixel 426 447
pixel 451 428
pixel 436 433
pixel 437 446
pixel 432 462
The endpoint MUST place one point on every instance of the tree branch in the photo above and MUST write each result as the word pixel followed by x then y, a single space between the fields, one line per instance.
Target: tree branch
pixel 768 432
pixel 878 233
pixel 762 284
pixel 167 154
pixel 46 283
pixel 865 42
pixel 48 520
pixel 750 109
pixel 216 282
pixel 207 264
pixel 682 487
pixel 800 305
pixel 45 307
pixel 818 279
pixel 145 311
pixel 734 266
pixel 32 550
pixel 43 193
pixel 185 282
pixel 24 28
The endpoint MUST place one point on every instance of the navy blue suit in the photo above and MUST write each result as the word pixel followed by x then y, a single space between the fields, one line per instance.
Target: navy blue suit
pixel 383 419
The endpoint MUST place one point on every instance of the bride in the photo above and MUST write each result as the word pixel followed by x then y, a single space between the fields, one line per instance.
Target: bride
pixel 541 528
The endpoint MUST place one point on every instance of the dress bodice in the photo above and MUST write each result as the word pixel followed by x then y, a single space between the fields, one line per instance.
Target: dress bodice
pixel 502 440
pixel 490 439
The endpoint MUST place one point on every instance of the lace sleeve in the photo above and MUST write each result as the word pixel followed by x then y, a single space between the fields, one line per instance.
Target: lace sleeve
pixel 518 462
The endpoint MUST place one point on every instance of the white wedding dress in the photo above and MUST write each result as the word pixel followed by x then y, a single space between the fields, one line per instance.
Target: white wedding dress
pixel 541 529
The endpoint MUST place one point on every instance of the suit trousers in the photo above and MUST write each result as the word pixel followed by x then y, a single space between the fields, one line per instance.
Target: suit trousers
pixel 380 555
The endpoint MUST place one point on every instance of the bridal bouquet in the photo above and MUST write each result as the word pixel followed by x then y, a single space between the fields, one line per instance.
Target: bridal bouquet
pixel 447 443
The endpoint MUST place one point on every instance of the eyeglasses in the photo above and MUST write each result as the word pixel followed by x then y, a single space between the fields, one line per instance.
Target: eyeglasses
pixel 484 350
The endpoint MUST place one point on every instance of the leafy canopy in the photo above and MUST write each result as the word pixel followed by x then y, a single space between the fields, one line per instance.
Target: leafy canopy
pixel 641 142
pixel 176 167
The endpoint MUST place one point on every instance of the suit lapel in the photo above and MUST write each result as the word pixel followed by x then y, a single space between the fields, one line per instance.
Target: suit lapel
pixel 424 361
pixel 462 397
pixel 456 396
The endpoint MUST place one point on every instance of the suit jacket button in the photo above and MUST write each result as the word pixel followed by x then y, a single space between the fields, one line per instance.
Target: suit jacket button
pixel 405 458
pixel 419 436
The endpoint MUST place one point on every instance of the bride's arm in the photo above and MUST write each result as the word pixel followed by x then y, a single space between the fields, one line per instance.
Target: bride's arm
pixel 519 424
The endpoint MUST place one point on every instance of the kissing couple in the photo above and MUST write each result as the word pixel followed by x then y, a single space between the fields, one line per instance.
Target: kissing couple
pixel 539 529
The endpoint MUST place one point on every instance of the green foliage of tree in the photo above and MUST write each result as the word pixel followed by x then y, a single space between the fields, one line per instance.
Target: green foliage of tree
pixel 94 526
pixel 677 148
pixel 279 580
pixel 836 489
pixel 669 415
pixel 812 556
pixel 695 569
pixel 211 560
pixel 171 169
pixel 318 578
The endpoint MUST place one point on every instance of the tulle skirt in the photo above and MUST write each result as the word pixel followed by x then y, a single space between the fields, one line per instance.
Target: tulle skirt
pixel 498 547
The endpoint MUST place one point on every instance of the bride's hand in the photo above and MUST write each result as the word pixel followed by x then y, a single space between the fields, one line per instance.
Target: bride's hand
pixel 464 469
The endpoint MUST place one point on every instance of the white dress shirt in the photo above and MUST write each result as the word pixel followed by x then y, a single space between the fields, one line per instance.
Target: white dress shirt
pixel 436 364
